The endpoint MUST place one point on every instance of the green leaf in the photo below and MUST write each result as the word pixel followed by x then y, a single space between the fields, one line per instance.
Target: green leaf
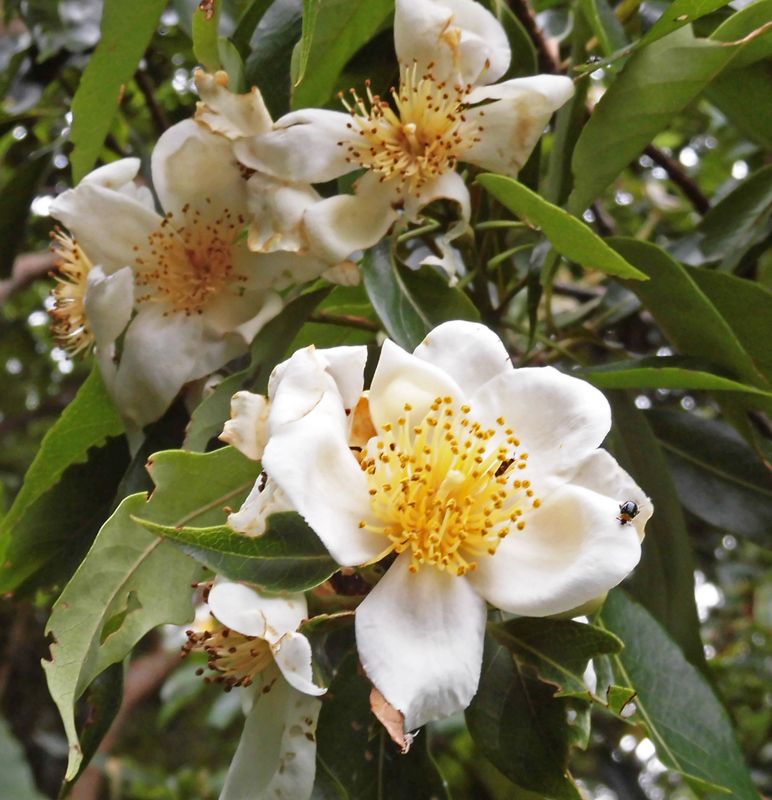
pixel 520 726
pixel 88 421
pixel 354 749
pixel 664 579
pixel 678 14
pixel 131 581
pixel 288 557
pixel 268 349
pixel 206 23
pixel 247 23
pixel 16 779
pixel 668 372
pixel 332 34
pixel 639 104
pixel 718 477
pixel 268 65
pixel 570 236
pixel 686 315
pixel 605 25
pixel 410 302
pixel 745 96
pixel 738 220
pixel 126 31
pixel 16 194
pixel 687 723
pixel 524 59
pixel 557 649
pixel 755 21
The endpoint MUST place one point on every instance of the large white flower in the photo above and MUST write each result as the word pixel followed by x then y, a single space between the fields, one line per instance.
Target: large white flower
pixel 257 647
pixel 444 111
pixel 183 285
pixel 482 482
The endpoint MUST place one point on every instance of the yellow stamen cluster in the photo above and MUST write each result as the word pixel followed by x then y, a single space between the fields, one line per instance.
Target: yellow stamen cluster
pixel 445 489
pixel 419 138
pixel 237 659
pixel 69 324
pixel 186 263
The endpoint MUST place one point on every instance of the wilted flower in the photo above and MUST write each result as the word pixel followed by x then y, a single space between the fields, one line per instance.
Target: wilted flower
pixel 479 481
pixel 443 112
pixel 184 286
pixel 254 644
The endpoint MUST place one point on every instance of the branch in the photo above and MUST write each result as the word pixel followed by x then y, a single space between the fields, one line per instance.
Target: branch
pixel 147 87
pixel 27 268
pixel 549 59
pixel 677 175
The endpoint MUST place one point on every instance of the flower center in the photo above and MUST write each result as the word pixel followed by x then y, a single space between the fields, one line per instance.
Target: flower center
pixel 237 658
pixel 185 264
pixel 69 324
pixel 419 138
pixel 445 489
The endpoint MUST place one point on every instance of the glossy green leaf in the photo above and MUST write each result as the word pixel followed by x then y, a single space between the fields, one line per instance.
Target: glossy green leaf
pixel 88 421
pixel 639 104
pixel 247 23
pixel 16 779
pixel 605 25
pixel 668 372
pixel 686 315
pixel 570 236
pixel 266 351
pixel 288 557
pixel 664 579
pixel 410 302
pixel 557 649
pixel 132 581
pixel 745 96
pixel 738 220
pixel 753 21
pixel 206 23
pixel 678 14
pixel 126 31
pixel 718 477
pixel 355 751
pixel 520 726
pixel 333 31
pixel 685 720
pixel 16 194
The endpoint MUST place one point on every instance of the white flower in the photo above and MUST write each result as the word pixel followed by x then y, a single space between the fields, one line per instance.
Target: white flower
pixel 444 111
pixel 483 482
pixel 184 287
pixel 260 649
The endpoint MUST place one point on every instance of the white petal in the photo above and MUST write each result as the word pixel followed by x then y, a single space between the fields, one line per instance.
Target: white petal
pixel 253 613
pixel 251 518
pixel 461 39
pixel 309 458
pixel 558 419
pixel 514 122
pixel 302 147
pixel 447 186
pixel 114 176
pixel 186 152
pixel 159 356
pixel 277 209
pixel 420 641
pixel 276 756
pixel 293 657
pixel 573 549
pixel 403 378
pixel 339 226
pixel 346 365
pixel 225 112
pixel 247 429
pixel 107 223
pixel 601 473
pixel 109 302
pixel 470 353
pixel 276 270
pixel 232 313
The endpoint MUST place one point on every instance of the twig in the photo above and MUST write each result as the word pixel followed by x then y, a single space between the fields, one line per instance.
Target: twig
pixel 549 60
pixel 677 175
pixel 146 86
pixel 347 320
pixel 27 268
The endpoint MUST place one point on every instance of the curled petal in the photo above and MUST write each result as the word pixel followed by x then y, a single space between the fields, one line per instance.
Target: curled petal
pixel 513 123
pixel 233 115
pixel 253 613
pixel 262 501
pixel 293 657
pixel 420 640
pixel 247 429
pixel 109 302
pixel 447 186
pixel 462 41
pixel 572 550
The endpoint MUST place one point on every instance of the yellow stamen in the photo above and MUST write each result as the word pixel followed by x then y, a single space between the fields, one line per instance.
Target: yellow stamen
pixel 69 324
